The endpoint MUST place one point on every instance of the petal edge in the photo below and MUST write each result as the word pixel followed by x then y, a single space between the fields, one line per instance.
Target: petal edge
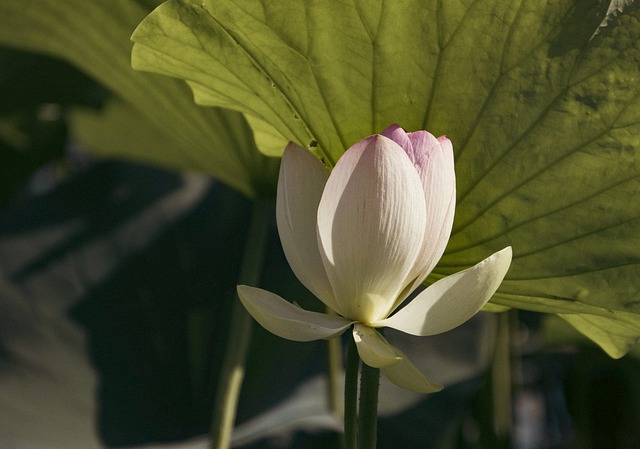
pixel 300 185
pixel 286 320
pixel 406 375
pixel 453 300
pixel 373 348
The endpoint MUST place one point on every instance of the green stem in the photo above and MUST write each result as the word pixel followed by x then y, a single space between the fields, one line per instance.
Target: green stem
pixel 368 416
pixel 233 365
pixel 501 382
pixel 334 354
pixel 351 396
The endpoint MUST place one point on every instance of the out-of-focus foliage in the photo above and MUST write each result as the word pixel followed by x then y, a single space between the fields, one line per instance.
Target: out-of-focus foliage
pixel 162 126
pixel 115 291
pixel 34 92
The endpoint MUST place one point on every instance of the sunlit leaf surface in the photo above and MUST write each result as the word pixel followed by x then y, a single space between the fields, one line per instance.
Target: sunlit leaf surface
pixel 542 106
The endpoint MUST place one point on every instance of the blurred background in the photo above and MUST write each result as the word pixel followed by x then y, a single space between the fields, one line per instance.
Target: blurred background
pixel 116 280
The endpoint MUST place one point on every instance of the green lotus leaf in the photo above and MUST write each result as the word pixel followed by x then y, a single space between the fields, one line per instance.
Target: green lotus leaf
pixel 541 102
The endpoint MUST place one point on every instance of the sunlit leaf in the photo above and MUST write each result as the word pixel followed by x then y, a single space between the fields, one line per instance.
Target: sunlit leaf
pixel 544 114
pixel 94 36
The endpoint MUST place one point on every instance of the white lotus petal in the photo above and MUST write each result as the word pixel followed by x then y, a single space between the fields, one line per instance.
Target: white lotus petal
pixel 300 185
pixel 406 375
pixel 373 348
pixel 433 159
pixel 453 300
pixel 371 221
pixel 285 320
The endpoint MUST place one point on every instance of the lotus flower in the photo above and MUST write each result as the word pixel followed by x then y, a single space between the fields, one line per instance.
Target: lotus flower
pixel 363 237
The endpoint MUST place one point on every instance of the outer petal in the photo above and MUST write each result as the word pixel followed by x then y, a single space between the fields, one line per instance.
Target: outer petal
pixel 371 222
pixel 406 375
pixel 285 320
pixel 373 348
pixel 453 300
pixel 433 159
pixel 300 185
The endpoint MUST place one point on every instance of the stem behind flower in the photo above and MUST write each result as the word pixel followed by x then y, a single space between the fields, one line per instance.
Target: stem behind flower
pixel 368 413
pixel 334 355
pixel 360 423
pixel 351 396
pixel 233 366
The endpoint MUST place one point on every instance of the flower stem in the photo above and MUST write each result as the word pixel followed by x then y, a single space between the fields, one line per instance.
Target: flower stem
pixel 334 355
pixel 368 414
pixel 351 396
pixel 233 365
pixel 502 382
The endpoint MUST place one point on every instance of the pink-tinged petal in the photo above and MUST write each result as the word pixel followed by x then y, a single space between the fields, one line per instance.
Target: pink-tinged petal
pixel 399 136
pixel 433 158
pixel 300 185
pixel 406 375
pixel 286 320
pixel 423 144
pixel 373 348
pixel 371 222
pixel 452 300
